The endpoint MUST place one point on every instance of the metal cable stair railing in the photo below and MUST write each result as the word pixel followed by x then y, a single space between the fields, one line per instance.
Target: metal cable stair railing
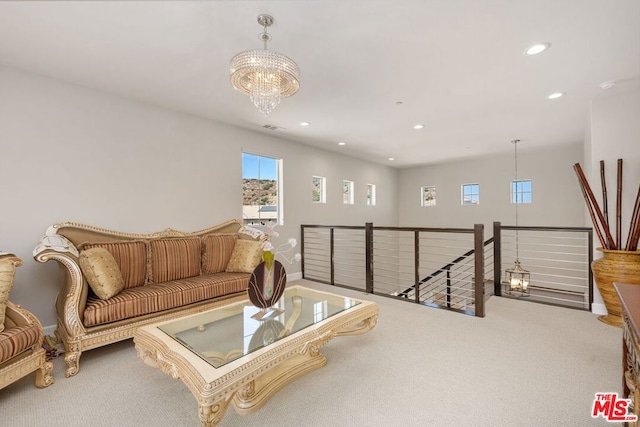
pixel 431 288
pixel 424 266
pixel 386 260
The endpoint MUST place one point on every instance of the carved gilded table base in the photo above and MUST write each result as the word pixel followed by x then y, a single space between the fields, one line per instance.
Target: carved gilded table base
pixel 248 382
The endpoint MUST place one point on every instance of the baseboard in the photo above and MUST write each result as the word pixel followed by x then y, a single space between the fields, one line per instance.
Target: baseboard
pixel 599 309
pixel 294 276
pixel 50 330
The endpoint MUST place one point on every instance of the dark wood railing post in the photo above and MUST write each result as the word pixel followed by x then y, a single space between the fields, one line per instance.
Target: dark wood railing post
pixel 416 265
pixel 497 258
pixel 478 244
pixel 331 256
pixel 368 232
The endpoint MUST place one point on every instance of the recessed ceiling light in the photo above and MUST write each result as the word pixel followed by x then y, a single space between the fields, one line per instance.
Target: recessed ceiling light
pixel 538 48
pixel 391 158
pixel 304 123
pixel 342 143
pixel 555 95
pixel 418 126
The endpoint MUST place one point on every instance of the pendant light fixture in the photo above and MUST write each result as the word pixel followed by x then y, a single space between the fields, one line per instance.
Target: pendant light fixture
pixel 517 278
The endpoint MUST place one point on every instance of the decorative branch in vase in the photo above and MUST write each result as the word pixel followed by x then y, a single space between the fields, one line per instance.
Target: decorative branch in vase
pixel 269 278
pixel 619 263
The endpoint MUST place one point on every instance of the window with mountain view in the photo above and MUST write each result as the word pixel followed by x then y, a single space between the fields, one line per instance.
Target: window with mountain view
pixel 260 189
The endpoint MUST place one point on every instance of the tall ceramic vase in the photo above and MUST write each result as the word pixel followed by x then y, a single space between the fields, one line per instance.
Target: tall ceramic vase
pixel 615 267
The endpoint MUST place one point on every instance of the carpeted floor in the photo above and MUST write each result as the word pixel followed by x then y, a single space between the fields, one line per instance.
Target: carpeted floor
pixel 524 364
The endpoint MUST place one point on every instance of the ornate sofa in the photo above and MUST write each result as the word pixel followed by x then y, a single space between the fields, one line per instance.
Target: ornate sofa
pixel 21 334
pixel 114 282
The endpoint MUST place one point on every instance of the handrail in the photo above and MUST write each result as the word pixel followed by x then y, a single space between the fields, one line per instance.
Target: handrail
pixel 447 267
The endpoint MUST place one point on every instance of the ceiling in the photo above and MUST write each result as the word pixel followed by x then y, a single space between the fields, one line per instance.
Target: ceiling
pixel 457 66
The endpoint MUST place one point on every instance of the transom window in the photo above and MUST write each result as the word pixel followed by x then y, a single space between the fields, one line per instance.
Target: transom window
pixel 347 192
pixel 521 191
pixel 261 189
pixel 371 194
pixel 319 186
pixel 470 194
pixel 428 195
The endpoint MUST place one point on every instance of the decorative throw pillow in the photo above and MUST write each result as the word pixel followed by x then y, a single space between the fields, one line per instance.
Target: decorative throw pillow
pixel 216 252
pixel 131 257
pixel 246 255
pixel 102 272
pixel 8 264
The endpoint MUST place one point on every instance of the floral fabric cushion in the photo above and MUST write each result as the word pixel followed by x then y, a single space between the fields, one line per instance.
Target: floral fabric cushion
pixel 216 252
pixel 100 269
pixel 246 255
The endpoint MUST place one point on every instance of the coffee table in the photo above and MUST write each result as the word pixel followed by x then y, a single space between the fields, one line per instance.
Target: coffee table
pixel 226 356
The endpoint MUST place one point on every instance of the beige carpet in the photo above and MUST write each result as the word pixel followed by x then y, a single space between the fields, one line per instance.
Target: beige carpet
pixel 524 364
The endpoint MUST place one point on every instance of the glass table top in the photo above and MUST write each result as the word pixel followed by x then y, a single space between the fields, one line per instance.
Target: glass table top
pixel 224 334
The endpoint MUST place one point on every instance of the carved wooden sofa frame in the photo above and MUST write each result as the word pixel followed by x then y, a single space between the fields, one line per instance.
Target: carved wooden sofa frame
pixel 72 297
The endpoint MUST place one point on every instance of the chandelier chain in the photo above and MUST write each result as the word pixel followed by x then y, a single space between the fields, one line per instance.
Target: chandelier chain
pixel 265 35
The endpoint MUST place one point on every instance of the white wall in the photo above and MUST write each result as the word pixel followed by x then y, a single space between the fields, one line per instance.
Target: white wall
pixel 74 154
pixel 556 195
pixel 615 134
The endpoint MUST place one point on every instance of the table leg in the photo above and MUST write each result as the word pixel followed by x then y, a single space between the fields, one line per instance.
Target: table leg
pixel 359 328
pixel 625 368
pixel 256 393
pixel 211 415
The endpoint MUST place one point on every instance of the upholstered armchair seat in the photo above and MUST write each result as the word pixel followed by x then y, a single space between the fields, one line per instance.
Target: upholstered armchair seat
pixel 21 336
pixel 21 351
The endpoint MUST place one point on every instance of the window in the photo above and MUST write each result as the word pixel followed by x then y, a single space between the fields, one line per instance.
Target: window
pixel 470 194
pixel 261 189
pixel 428 195
pixel 319 185
pixel 371 194
pixel 521 191
pixel 347 192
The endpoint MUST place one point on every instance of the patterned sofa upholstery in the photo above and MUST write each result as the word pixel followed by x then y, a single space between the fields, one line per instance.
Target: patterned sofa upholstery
pixel 144 278
pixel 21 335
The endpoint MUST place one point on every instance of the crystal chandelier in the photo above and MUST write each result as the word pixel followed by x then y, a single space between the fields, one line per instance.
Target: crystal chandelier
pixel 265 76
pixel 517 278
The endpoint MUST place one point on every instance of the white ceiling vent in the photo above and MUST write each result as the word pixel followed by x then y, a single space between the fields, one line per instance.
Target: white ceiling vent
pixel 272 127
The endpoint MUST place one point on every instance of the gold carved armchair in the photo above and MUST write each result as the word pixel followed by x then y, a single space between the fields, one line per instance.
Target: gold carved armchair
pixel 21 334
